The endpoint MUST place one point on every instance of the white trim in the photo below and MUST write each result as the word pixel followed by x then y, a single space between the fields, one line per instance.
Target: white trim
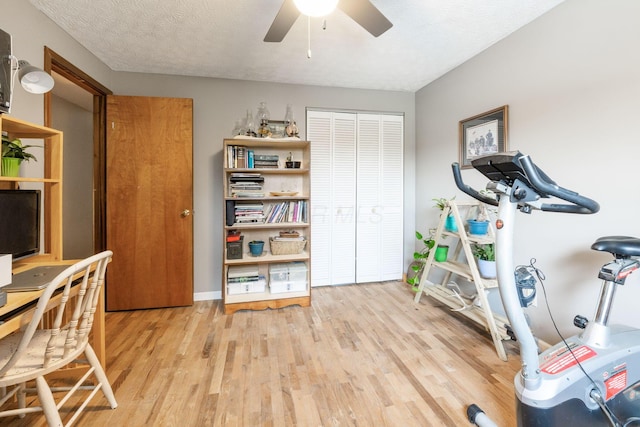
pixel 207 296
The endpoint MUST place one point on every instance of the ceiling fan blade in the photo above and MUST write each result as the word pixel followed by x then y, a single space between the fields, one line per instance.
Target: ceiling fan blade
pixel 283 21
pixel 367 15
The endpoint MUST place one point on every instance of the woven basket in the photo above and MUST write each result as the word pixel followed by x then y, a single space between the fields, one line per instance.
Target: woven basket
pixel 282 247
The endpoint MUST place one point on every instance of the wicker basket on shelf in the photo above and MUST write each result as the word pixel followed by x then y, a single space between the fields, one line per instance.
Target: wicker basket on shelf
pixel 286 247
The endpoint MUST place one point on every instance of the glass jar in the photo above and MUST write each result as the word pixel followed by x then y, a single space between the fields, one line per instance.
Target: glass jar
pixel 249 124
pixel 238 128
pixel 288 116
pixel 263 113
pixel 263 119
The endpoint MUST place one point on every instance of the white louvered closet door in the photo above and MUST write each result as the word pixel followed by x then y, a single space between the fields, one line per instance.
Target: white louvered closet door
pixel 379 198
pixel 392 191
pixel 370 215
pixel 356 190
pixel 333 138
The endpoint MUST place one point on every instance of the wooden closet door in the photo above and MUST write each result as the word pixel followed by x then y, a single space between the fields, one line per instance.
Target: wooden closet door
pixel 149 202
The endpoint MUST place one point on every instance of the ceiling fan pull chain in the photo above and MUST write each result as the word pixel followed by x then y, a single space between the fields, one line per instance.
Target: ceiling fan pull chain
pixel 308 37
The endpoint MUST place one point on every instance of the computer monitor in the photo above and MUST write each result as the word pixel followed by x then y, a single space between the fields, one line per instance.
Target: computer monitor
pixel 20 222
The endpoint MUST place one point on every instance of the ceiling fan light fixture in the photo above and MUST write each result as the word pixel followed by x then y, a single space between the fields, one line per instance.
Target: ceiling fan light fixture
pixel 316 8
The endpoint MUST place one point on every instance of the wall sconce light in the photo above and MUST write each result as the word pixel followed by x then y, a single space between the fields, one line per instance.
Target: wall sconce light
pixel 33 79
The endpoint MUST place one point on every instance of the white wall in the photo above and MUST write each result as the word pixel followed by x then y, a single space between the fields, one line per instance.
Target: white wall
pixel 570 79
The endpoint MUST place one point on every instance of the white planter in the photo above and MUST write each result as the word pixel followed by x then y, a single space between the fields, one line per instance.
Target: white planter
pixel 487 269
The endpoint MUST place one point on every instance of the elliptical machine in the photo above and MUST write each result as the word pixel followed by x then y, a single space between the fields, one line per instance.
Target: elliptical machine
pixel 590 379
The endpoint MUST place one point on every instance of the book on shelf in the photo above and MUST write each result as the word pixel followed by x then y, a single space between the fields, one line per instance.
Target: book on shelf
pixel 290 211
pixel 238 156
pixel 250 159
pixel 248 213
pixel 270 157
pixel 246 185
pixel 246 176
pixel 266 165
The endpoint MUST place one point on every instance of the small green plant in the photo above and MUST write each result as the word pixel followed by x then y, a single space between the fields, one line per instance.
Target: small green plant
pixel 15 149
pixel 420 257
pixel 484 251
pixel 441 203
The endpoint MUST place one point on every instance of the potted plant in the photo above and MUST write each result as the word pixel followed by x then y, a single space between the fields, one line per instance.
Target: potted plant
pixel 419 259
pixel 14 153
pixel 486 256
pixel 480 224
pixel 450 223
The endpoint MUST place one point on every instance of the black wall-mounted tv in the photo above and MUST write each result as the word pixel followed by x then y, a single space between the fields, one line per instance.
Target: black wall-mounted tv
pixel 20 222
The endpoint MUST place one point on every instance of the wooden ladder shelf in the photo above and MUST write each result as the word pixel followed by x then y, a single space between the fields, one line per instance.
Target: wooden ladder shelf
pixel 461 263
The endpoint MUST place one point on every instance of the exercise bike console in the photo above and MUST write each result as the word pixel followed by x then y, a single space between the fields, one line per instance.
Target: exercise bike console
pixel 590 379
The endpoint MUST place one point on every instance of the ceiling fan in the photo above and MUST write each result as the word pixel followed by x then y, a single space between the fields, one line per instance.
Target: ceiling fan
pixel 361 11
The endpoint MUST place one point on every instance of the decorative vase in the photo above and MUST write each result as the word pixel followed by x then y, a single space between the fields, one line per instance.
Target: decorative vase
pixel 478 227
pixel 11 166
pixel 263 119
pixel 487 269
pixel 288 116
pixel 441 253
pixel 256 247
pixel 450 224
pixel 249 124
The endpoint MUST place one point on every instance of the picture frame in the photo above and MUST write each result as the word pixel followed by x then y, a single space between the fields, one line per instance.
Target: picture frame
pixel 277 128
pixel 482 134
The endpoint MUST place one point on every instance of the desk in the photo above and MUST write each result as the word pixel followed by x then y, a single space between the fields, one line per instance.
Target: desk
pixel 21 305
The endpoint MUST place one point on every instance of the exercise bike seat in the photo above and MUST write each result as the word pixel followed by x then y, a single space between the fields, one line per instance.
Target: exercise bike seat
pixel 619 246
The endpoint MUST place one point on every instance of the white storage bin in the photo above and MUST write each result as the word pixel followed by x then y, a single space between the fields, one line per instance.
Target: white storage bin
pixel 288 277
pixel 246 287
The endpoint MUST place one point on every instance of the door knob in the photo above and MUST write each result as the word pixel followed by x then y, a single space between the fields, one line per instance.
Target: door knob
pixel 185 213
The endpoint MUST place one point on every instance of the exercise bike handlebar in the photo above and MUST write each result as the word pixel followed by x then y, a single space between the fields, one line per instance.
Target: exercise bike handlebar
pixel 542 185
pixel 578 204
pixel 465 188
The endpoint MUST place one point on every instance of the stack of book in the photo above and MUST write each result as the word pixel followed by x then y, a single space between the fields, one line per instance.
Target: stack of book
pixel 246 185
pixel 243 279
pixel 265 161
pixel 246 213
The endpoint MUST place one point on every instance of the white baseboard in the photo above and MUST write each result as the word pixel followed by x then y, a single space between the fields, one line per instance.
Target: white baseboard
pixel 207 296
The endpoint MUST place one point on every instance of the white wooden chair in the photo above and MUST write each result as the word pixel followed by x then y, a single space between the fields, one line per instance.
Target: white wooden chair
pixel 33 352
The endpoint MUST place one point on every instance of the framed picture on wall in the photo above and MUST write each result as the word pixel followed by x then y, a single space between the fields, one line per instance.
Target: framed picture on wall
pixel 483 134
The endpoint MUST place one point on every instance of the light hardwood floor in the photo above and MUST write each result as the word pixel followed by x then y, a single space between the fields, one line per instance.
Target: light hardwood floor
pixel 361 355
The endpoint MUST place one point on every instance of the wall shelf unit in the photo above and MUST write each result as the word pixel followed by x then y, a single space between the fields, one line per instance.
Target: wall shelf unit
pixel 51 181
pixel 261 199
pixel 462 263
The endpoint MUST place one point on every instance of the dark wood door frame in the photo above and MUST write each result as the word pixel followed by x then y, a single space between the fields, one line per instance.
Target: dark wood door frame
pixel 55 62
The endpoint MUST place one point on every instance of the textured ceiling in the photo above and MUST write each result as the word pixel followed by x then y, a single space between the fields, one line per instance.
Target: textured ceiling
pixel 223 38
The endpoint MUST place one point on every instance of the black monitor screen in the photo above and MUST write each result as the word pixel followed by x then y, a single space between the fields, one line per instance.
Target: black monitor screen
pixel 19 222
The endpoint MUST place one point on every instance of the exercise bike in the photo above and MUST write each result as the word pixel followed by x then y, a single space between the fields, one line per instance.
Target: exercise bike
pixel 590 379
